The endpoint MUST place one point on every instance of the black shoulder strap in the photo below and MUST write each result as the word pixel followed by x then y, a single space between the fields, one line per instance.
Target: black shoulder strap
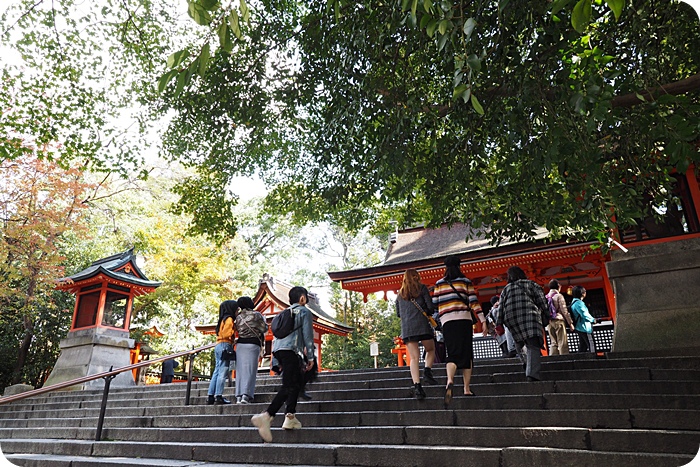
pixel 466 302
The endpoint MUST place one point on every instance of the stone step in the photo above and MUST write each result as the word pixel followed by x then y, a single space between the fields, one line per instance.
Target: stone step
pixel 637 410
pixel 571 362
pixel 417 415
pixel 663 441
pixel 356 455
pixel 393 388
pixel 546 400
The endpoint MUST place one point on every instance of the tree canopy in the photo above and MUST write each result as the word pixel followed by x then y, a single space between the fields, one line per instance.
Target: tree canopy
pixel 506 115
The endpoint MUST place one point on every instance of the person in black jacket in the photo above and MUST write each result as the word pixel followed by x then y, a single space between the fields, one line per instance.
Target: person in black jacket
pixel 168 371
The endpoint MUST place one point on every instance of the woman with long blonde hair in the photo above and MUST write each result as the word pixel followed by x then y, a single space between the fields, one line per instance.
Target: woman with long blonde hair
pixel 413 301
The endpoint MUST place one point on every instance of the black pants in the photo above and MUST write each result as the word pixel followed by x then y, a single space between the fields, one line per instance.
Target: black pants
pixel 165 379
pixel 585 342
pixel 292 381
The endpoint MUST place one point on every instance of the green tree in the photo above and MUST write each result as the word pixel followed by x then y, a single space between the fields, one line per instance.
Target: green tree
pixel 509 115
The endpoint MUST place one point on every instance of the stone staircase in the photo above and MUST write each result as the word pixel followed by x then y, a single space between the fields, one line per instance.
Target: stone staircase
pixel 632 409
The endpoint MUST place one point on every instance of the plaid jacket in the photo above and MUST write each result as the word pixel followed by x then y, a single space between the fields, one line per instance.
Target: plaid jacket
pixel 522 303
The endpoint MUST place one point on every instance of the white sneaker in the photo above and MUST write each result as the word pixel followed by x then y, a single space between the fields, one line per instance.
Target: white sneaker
pixel 262 422
pixel 244 399
pixel 291 422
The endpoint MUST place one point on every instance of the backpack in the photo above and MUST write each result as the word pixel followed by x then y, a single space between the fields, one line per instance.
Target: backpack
pixel 283 324
pixel 552 307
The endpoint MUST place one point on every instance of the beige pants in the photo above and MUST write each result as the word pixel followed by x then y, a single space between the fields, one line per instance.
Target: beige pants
pixel 557 337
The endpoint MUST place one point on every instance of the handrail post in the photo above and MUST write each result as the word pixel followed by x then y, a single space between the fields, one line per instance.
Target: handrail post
pixel 103 408
pixel 189 378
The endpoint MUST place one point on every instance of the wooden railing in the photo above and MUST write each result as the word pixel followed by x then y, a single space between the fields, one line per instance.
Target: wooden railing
pixel 108 377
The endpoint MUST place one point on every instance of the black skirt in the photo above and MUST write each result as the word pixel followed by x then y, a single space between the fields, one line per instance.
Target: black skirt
pixel 458 342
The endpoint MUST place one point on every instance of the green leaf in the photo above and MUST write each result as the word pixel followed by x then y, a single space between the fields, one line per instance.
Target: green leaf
pixel 469 26
pixel 182 79
pixel 502 4
pixel 442 27
pixel 175 59
pixel 199 14
pixel 458 91
pixel 477 106
pixel 616 6
pixel 424 20
pixel 245 11
pixel 414 8
pixel 443 41
pixel 235 26
pixel 165 79
pixel 474 63
pixel 581 16
pixel 224 38
pixel 404 5
pixel 210 5
pixel 204 57
pixel 427 5
pixel 432 27
pixel 557 5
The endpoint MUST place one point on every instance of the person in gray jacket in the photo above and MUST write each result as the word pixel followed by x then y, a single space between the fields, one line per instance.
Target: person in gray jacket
pixel 412 302
pixel 289 352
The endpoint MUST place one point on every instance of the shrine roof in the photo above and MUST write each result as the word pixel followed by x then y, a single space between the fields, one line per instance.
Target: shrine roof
pixel 115 267
pixel 280 292
pixel 426 248
pixel 420 243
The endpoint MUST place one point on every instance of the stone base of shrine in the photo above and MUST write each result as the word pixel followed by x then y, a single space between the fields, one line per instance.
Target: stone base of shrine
pixel 657 290
pixel 92 351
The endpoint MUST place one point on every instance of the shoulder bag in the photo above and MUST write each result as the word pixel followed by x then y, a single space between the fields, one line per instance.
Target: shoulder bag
pixel 434 324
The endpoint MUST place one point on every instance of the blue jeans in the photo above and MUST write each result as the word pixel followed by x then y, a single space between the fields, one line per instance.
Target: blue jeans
pixel 218 377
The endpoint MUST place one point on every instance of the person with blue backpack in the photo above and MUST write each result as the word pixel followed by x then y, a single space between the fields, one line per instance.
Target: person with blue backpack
pixel 583 320
pixel 293 347
pixel 559 320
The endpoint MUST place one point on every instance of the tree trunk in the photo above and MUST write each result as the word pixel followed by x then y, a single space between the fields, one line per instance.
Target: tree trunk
pixel 28 333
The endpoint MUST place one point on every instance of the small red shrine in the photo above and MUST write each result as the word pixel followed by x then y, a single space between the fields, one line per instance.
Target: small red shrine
pixel 271 298
pixel 99 335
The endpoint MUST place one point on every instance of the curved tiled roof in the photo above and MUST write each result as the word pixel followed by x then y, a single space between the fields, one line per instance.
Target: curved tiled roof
pixel 113 267
pixel 280 292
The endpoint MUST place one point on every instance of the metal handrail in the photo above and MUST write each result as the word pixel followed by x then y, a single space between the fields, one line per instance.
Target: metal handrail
pixel 105 374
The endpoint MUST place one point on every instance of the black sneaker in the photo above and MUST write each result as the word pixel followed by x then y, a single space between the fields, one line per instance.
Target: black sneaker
pixel 221 400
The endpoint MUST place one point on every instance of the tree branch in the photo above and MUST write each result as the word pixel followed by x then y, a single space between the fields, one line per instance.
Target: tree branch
pixel 690 84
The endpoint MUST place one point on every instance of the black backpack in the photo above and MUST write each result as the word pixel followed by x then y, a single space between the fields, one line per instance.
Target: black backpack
pixel 283 324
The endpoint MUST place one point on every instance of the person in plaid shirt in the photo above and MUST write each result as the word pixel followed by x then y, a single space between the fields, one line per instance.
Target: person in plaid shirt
pixel 522 305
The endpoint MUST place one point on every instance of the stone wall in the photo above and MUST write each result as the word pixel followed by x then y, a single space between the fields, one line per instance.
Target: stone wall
pixel 657 289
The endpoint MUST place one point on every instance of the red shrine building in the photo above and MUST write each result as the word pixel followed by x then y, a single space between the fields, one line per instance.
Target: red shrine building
pixel 271 298
pixel 571 263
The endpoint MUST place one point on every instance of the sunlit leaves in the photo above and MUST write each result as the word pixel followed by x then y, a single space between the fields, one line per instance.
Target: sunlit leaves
pixel 616 6
pixel 198 13
pixel 581 16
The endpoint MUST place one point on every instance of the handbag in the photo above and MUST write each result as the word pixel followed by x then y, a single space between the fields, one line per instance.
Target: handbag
pixel 228 355
pixel 430 319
